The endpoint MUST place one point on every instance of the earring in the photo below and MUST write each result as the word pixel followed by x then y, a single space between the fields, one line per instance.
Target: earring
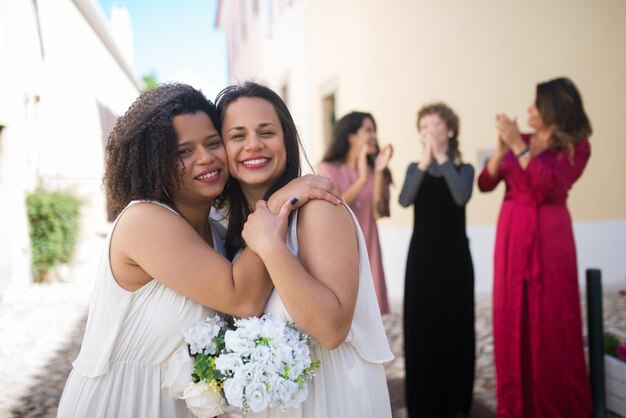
pixel 166 193
pixel 450 134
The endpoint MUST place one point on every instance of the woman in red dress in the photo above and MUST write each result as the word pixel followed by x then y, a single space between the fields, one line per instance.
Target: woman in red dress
pixel 540 364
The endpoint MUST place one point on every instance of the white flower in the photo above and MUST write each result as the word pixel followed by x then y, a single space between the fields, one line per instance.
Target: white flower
pixel 203 401
pixel 237 341
pixel 263 362
pixel 256 396
pixel 271 327
pixel 284 392
pixel 263 373
pixel 275 362
pixel 233 390
pixel 302 354
pixel 298 397
pixel 178 372
pixel 200 336
pixel 249 328
pixel 228 362
pixel 291 336
pixel 245 374
pixel 260 354
pixel 283 352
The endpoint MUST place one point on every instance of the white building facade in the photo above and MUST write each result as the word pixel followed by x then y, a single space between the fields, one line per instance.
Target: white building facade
pixel 63 82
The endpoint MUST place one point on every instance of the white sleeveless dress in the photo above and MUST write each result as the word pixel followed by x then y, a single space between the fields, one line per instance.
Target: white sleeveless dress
pixel 351 381
pixel 128 341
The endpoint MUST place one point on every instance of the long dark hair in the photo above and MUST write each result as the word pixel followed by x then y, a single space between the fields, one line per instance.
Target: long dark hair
pixel 340 146
pixel 559 103
pixel 238 206
pixel 141 155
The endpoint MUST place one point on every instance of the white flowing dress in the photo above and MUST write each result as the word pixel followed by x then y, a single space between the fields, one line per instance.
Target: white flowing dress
pixel 128 341
pixel 351 381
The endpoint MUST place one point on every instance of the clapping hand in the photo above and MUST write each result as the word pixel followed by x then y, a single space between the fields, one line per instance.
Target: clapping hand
pixel 508 130
pixel 439 145
pixel 427 157
pixel 383 157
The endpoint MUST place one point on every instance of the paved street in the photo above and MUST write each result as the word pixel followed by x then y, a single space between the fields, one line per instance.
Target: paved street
pixel 41 329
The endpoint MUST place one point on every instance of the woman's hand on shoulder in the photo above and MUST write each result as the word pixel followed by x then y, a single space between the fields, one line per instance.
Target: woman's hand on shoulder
pixel 265 231
pixel 305 188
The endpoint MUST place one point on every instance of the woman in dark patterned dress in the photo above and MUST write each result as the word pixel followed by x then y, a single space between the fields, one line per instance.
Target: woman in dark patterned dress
pixel 439 342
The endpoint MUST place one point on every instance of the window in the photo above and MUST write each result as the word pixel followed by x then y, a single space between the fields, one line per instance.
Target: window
pixel 328 118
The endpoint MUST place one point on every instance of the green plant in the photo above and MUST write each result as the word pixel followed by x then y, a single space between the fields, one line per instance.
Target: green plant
pixel 611 342
pixel 53 218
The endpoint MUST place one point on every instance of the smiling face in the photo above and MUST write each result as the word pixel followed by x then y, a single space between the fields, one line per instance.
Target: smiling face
pixel 254 140
pixel 202 159
pixel 365 136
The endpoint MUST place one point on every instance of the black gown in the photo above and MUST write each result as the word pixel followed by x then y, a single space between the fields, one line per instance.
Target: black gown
pixel 439 340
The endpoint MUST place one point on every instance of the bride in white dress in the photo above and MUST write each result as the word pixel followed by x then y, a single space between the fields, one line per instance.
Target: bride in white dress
pixel 162 266
pixel 321 273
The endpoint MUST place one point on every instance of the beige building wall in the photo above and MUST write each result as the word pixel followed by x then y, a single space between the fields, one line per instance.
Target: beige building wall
pixel 482 58
pixel 266 43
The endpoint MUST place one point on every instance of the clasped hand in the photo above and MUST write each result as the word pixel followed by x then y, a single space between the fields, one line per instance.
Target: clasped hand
pixel 264 230
pixel 435 147
pixel 508 131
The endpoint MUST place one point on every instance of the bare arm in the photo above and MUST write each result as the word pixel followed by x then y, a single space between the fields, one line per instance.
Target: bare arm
pixel 320 294
pixel 151 242
pixel 352 193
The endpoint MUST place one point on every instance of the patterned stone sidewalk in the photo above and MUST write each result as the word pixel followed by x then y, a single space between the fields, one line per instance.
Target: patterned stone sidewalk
pixel 41 328
pixel 614 309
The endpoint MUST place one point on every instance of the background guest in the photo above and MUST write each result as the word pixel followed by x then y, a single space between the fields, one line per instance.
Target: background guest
pixel 358 167
pixel 439 342
pixel 540 364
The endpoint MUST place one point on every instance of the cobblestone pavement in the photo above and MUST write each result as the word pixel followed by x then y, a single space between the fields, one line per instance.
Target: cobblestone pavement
pixel 41 328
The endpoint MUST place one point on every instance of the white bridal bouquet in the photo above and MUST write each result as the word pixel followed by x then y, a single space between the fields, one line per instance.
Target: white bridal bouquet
pixel 254 364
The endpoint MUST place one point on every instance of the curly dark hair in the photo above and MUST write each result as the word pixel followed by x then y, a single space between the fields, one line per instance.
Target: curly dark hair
pixel 141 156
pixel 452 123
pixel 559 103
pixel 238 206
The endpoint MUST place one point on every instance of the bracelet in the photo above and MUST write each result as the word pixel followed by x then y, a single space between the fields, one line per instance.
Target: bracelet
pixel 524 154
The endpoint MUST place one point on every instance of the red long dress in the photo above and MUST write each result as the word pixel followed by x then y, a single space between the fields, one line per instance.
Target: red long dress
pixel 540 364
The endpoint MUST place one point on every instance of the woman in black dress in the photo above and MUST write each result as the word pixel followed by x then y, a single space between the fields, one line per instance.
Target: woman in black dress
pixel 439 342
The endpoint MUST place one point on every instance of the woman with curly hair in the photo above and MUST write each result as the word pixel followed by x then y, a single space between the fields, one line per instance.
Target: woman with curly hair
pixel 359 167
pixel 539 356
pixel 162 267
pixel 439 282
